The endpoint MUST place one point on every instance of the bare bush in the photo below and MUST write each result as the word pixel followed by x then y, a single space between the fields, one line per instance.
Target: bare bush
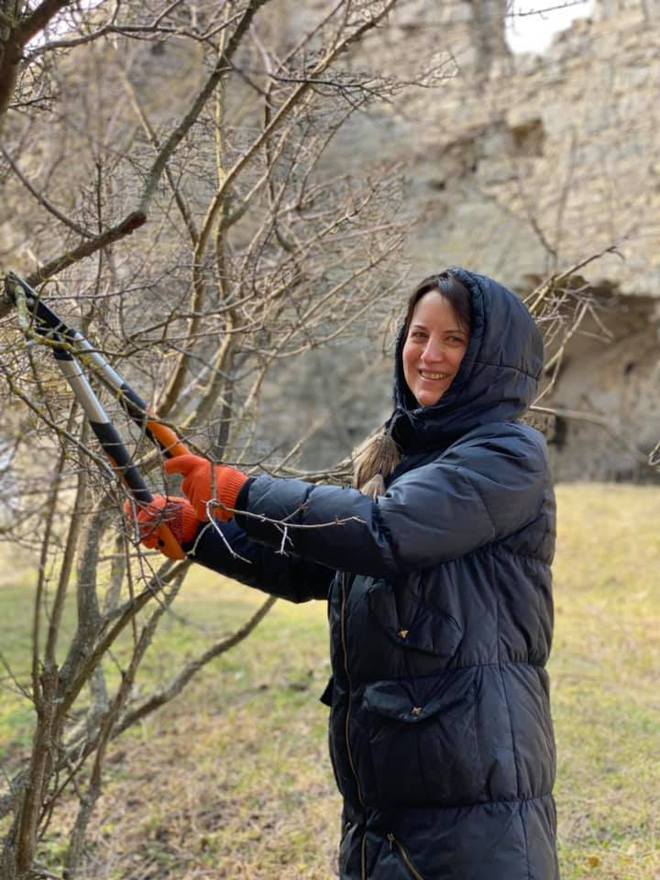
pixel 165 182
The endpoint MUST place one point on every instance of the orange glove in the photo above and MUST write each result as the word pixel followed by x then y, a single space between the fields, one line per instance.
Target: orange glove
pixel 176 513
pixel 203 481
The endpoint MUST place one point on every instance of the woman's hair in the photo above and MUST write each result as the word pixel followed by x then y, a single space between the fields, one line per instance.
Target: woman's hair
pixel 456 294
pixel 377 457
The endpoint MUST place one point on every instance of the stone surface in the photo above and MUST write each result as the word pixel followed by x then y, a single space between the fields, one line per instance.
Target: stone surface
pixel 531 166
pixel 549 159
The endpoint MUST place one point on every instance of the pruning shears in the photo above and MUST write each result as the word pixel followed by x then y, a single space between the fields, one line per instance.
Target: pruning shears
pixel 72 350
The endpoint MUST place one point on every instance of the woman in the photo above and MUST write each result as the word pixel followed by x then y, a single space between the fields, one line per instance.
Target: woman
pixel 438 580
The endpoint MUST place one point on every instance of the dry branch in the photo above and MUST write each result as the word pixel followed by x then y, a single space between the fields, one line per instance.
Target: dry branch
pixel 256 254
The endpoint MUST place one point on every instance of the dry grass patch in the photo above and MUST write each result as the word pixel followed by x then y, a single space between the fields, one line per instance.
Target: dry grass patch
pixel 233 779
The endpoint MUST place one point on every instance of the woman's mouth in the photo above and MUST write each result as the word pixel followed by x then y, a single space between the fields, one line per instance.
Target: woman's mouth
pixel 433 377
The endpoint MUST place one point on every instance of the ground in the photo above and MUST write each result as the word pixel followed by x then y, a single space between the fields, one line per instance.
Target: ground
pixel 232 780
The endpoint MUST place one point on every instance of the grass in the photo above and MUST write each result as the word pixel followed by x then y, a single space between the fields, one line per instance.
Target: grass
pixel 232 780
pixel 605 684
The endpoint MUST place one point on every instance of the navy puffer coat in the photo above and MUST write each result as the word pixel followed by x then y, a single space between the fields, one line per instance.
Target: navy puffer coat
pixel 440 612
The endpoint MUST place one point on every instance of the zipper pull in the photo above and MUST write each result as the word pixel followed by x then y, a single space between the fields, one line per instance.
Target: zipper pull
pixel 391 840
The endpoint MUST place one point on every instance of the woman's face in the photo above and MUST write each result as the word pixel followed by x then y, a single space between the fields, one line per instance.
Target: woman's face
pixel 434 348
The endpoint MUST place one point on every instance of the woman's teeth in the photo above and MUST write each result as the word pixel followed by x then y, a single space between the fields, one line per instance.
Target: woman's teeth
pixel 426 375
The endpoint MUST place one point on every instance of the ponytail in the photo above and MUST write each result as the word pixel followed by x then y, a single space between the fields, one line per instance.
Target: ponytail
pixel 373 461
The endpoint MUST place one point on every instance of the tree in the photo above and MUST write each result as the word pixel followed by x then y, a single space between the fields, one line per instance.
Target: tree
pixel 166 183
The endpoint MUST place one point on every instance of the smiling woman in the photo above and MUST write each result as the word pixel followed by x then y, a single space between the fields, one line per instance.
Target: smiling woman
pixel 436 570
pixel 437 335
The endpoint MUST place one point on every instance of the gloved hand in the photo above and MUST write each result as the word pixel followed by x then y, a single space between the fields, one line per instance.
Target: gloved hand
pixel 176 513
pixel 203 481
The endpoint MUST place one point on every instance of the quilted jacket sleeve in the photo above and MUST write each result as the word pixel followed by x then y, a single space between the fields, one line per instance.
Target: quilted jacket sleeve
pixel 479 491
pixel 227 549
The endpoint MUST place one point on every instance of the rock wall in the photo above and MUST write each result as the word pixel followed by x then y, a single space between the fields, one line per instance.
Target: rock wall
pixel 516 166
pixel 607 396
pixel 530 165
pixel 547 160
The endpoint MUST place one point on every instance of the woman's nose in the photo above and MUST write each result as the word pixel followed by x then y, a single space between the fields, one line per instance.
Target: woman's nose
pixel 433 351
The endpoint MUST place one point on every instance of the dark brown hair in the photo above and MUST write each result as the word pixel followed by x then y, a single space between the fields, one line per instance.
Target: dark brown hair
pixel 453 291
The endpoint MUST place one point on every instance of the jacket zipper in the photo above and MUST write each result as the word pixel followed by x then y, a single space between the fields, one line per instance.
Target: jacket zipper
pixel 404 855
pixel 348 715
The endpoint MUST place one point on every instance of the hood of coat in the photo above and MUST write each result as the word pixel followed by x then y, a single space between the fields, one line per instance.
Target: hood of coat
pixel 497 380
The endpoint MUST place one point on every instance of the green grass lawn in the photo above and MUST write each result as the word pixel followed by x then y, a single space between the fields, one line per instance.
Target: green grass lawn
pixel 232 780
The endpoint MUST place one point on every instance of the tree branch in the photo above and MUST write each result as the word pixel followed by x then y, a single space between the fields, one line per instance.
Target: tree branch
pixel 179 682
pixel 222 67
pixel 176 380
pixel 43 201
pixel 37 21
pixel 125 227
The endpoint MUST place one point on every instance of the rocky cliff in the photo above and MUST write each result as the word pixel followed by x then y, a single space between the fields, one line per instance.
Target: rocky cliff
pixel 519 166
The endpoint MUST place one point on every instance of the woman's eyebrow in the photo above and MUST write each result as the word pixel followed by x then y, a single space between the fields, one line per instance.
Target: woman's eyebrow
pixel 418 326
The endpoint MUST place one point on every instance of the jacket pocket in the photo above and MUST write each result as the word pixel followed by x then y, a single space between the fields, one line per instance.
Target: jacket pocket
pixel 403 855
pixel 423 740
pixel 411 623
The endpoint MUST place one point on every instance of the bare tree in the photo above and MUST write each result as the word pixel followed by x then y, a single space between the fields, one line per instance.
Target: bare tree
pixel 211 125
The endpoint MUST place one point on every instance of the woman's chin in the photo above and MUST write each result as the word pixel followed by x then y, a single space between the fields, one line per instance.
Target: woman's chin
pixel 428 398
